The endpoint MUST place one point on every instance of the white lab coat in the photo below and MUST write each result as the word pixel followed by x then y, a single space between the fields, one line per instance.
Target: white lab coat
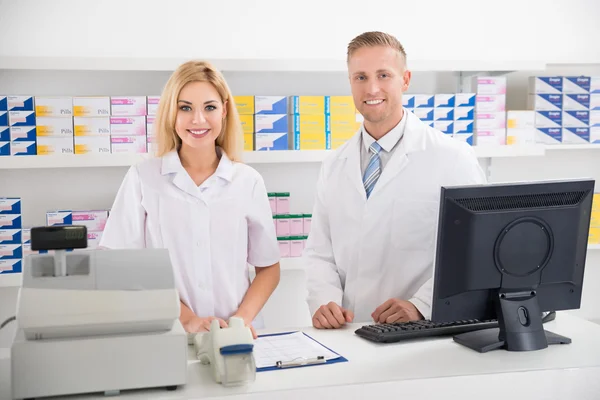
pixel 362 252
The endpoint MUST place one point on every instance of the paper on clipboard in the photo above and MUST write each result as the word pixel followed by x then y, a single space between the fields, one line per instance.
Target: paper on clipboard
pixel 268 350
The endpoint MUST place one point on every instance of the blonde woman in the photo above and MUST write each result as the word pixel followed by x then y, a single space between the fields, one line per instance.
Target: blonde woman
pixel 197 200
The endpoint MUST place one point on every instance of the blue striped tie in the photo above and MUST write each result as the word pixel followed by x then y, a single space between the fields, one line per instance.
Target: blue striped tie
pixel 373 170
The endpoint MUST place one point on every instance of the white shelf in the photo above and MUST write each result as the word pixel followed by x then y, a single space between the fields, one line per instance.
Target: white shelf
pixel 594 247
pixel 509 151
pixel 249 65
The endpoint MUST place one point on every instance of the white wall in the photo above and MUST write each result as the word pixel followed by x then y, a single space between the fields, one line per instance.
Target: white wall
pixel 551 30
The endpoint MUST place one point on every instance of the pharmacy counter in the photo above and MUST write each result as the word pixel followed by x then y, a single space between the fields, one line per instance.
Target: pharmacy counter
pixel 424 369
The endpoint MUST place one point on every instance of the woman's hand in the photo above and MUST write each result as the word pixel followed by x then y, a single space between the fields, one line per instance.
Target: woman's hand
pixel 248 325
pixel 200 324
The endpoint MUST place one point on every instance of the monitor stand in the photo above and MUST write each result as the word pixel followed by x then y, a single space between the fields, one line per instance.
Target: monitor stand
pixel 520 327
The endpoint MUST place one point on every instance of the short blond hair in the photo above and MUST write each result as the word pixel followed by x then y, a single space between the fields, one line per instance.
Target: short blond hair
pixel 375 38
pixel 164 125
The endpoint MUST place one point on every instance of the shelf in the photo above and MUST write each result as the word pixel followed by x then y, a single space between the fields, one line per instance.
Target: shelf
pixel 249 65
pixel 509 151
pixel 594 247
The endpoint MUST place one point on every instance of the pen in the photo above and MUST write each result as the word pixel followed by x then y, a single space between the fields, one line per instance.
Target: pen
pixel 301 362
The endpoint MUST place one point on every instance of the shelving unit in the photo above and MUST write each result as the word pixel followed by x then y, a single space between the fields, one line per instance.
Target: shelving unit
pixel 255 157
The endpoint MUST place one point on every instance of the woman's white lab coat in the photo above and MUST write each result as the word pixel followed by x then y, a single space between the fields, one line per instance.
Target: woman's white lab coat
pixel 362 252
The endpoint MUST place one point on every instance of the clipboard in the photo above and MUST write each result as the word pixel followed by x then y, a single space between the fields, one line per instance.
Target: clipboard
pixel 336 360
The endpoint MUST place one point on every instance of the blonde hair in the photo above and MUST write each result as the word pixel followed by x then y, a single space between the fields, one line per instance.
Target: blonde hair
pixel 372 39
pixel 164 125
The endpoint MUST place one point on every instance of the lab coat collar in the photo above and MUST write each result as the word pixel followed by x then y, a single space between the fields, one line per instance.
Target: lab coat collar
pixel 171 163
pixel 413 140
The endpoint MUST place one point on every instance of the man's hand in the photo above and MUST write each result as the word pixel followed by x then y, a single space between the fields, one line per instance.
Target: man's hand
pixel 199 324
pixel 396 310
pixel 331 316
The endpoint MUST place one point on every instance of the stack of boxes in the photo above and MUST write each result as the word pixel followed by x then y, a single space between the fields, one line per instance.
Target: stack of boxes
pixel 292 229
pixel 452 114
pixel 128 125
pixel 490 110
pixel 152 108
pixel 94 221
pixel 22 126
pixel 343 120
pixel 91 120
pixel 271 123
pixel 54 117
pixel 567 109
pixel 11 248
pixel 245 109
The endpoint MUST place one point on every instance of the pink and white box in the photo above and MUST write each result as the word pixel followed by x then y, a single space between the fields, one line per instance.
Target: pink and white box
pixel 490 84
pixel 93 220
pixel 491 120
pixel 128 144
pixel 284 248
pixel 128 106
pixel 296 247
pixel 128 126
pixel 491 137
pixel 307 220
pixel 153 104
pixel 282 227
pixel 296 225
pixel 489 103
pixel 150 126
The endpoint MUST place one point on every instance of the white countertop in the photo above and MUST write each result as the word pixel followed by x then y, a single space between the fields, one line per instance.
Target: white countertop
pixel 423 368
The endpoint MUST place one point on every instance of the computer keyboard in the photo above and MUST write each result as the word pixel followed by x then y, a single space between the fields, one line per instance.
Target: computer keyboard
pixel 389 333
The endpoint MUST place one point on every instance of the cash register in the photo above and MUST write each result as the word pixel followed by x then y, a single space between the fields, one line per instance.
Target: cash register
pixel 95 320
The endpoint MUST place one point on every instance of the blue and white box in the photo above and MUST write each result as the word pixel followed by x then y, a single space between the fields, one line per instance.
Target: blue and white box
pixel 271 123
pixel 10 221
pixel 20 103
pixel 576 119
pixel 60 217
pixel 3 103
pixel 545 102
pixel 548 119
pixel 408 100
pixel 595 102
pixel 23 133
pixel 464 100
pixel 443 114
pixel 23 148
pixel 595 134
pixel 26 236
pixel 576 84
pixel 594 86
pixel 545 84
pixel 270 104
pixel 4 149
pixel 464 126
pixel 464 137
pixel 444 126
pixel 464 113
pixel 271 141
pixel 444 100
pixel 10 205
pixel 10 236
pixel 8 251
pixel 424 114
pixel 594 118
pixel 424 100
pixel 576 135
pixel 21 118
pixel 4 134
pixel 576 102
pixel 8 266
pixel 3 118
pixel 548 135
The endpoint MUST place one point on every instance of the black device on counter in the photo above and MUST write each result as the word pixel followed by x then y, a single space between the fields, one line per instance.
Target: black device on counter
pixel 58 237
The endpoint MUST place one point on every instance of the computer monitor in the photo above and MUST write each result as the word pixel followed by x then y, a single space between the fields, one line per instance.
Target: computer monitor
pixel 510 252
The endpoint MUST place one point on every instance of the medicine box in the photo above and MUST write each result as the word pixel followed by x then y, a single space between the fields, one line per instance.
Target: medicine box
pixel 444 100
pixel 128 106
pixel 23 148
pixel 54 106
pixel 490 121
pixel 443 114
pixel 490 84
pixel 424 100
pixel 10 205
pixel 444 126
pixel 341 105
pixel 576 119
pixel 152 104
pixel 248 141
pixel 10 236
pixel 548 119
pixel 545 102
pixel 128 126
pixel 576 84
pixel 4 118
pixel 91 106
pixel 576 135
pixel 92 144
pixel 307 105
pixel 520 136
pixel 3 103
pixel 271 123
pixel 51 145
pixel 91 126
pixel 464 100
pixel 464 126
pixel 464 113
pixel 548 135
pixel 128 144
pixel 520 119
pixel 270 141
pixel 490 103
pixel 576 102
pixel 270 104
pixel 10 221
pixel 21 118
pixel 545 84
pixel 248 123
pixel 244 104
pixel 4 148
pixel 54 126
pixel 424 114
pixel 11 266
pixel 20 103
pixel 11 251
pixel 491 137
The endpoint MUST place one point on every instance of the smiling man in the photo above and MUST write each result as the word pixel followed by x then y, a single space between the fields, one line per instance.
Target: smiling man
pixel 369 255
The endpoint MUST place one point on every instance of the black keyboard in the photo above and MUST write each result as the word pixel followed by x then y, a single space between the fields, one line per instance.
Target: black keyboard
pixel 389 333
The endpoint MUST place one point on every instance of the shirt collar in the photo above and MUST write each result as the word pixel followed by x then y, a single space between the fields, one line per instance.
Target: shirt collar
pixel 171 163
pixel 390 139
